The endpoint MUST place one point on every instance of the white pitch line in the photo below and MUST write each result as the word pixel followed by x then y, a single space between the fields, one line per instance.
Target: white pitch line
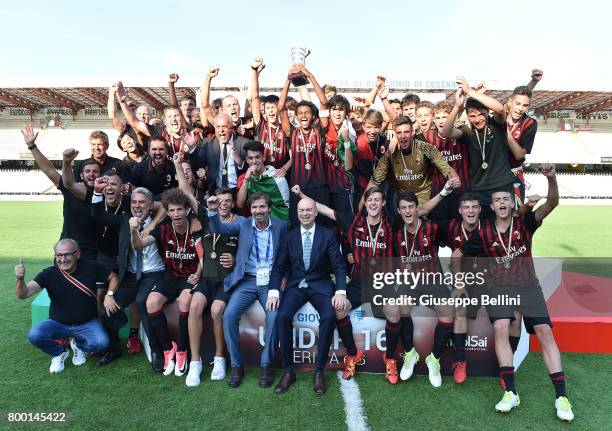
pixel 353 407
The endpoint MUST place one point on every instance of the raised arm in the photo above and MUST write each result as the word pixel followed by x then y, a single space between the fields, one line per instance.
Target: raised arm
pixel 206 110
pixel 256 67
pixel 172 79
pixel 43 163
pixel 137 242
pixel 499 112
pixel 317 88
pixel 77 189
pixel 383 94
pixel 24 290
pixel 136 124
pixel 449 131
pixel 216 226
pixel 111 107
pixel 536 77
pixel 343 135
pixel 282 108
pixel 552 199
pixel 183 184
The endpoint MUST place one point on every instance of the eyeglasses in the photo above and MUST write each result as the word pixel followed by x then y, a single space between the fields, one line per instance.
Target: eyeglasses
pixel 60 255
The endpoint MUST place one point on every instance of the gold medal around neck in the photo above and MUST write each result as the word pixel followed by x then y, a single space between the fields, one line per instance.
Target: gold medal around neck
pixel 336 164
pixel 484 165
pixel 373 262
pixel 213 255
pixel 507 264
pixel 224 172
pixel 272 158
pixel 308 166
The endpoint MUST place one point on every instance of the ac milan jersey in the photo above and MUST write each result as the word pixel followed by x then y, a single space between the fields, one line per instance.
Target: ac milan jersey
pixel 275 144
pixel 454 236
pixel 523 131
pixel 455 153
pixel 178 251
pixel 307 167
pixel 510 262
pixel 366 248
pixel 368 154
pixel 420 249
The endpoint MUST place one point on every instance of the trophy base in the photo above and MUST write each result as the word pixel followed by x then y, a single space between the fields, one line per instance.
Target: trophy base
pixel 298 79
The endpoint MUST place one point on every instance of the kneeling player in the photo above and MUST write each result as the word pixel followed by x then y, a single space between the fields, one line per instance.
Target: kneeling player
pixel 507 240
pixel 177 245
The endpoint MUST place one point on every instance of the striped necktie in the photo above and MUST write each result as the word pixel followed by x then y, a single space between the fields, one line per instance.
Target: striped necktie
pixel 307 249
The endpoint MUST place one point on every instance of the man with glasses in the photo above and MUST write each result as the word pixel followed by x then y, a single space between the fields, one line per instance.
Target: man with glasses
pixel 71 284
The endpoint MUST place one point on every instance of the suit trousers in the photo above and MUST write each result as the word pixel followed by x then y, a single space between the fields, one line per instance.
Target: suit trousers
pixel 292 300
pixel 243 295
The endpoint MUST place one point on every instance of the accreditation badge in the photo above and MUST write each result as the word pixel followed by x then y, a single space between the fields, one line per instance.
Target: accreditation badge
pixel 262 275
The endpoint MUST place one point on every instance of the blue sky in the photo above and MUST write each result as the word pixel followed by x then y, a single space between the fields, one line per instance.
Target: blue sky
pixel 75 43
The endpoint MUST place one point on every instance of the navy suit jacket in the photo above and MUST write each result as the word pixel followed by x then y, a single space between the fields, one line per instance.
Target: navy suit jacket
pixel 325 258
pixel 243 228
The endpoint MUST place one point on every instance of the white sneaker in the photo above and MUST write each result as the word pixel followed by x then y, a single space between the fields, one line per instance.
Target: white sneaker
pixel 509 401
pixel 564 409
pixel 57 362
pixel 433 365
pixel 193 376
pixel 410 360
pixel 79 357
pixel 218 372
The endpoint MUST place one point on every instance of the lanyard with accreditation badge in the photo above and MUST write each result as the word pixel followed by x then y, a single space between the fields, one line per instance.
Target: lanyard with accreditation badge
pixel 263 268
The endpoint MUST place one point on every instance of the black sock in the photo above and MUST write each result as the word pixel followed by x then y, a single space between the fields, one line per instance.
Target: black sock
pixel 392 334
pixel 160 329
pixel 133 331
pixel 345 330
pixel 514 341
pixel 441 336
pixel 407 333
pixel 507 373
pixel 183 334
pixel 459 343
pixel 558 379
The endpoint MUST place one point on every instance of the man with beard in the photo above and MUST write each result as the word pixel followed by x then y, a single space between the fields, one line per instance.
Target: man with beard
pixel 178 246
pixel 229 105
pixel 156 173
pixel 489 159
pixel 410 163
pixel 262 178
pixel 507 241
pixel 258 247
pixel 71 284
pixel 307 256
pixel 223 155
pixel 138 270
pixel 98 141
pixel 173 131
pixel 267 127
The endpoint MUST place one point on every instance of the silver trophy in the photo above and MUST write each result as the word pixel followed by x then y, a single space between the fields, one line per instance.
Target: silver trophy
pixel 298 56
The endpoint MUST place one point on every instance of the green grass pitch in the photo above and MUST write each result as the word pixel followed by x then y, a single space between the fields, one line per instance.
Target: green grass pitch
pixel 127 395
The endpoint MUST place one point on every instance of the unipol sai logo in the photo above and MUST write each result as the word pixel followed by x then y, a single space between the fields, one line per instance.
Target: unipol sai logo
pixel 474 342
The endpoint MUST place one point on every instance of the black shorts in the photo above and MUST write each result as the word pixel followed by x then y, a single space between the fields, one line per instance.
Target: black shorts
pixel 212 289
pixel 474 291
pixel 530 303
pixel 353 293
pixel 171 286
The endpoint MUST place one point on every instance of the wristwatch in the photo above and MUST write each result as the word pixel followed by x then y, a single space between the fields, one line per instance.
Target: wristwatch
pixel 110 293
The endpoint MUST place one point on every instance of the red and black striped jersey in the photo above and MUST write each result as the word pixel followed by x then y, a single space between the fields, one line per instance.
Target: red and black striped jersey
pixel 368 154
pixel 420 249
pixel 178 251
pixel 307 166
pixel 275 144
pixel 511 262
pixel 523 131
pixel 455 153
pixel 366 248
pixel 338 179
pixel 454 236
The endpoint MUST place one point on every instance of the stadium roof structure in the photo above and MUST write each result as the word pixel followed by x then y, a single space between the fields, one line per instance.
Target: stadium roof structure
pixel 77 98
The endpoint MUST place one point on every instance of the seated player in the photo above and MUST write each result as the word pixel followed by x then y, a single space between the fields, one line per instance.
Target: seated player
pixel 177 245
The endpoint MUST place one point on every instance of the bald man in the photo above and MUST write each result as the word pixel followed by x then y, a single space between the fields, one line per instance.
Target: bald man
pixel 73 312
pixel 307 256
pixel 223 155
